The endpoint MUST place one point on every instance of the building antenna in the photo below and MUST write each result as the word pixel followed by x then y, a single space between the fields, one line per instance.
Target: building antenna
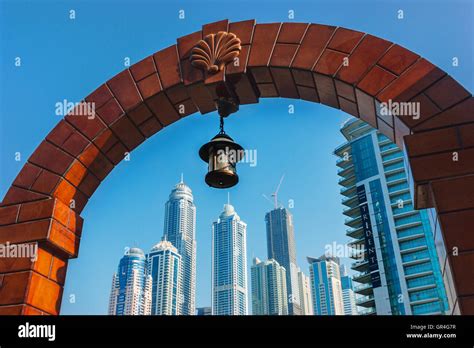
pixel 182 178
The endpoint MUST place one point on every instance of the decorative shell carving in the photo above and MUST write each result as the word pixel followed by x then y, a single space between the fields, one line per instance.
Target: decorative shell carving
pixel 215 51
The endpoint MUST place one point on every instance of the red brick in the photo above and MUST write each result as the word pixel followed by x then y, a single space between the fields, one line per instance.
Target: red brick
pixel 454 225
pixel 46 182
pixel 458 114
pixel 454 194
pixel 89 127
pixel 150 127
pixel 110 112
pixel 329 62
pixel 96 162
pixel 127 133
pixel 149 86
pixel 50 157
pixel 27 175
pixel 431 142
pixel 385 129
pixel 292 32
pixel 326 90
pixel 376 80
pixel 413 81
pixel 8 215
pixel 106 140
pixel 345 90
pixel 167 63
pixel 143 68
pixel 367 53
pixel 397 59
pixel 67 193
pixel 284 83
pixel 100 96
pixel 125 90
pixel 345 40
pixel 163 109
pixel 467 135
pixel 117 153
pixel 189 108
pixel 366 105
pixel 267 90
pixel 201 97
pixel 283 54
pixel 315 40
pixel 462 273
pixel 264 38
pixel 213 28
pixel 303 78
pixel 243 30
pixel 308 93
pixel 140 114
pixel 348 106
pixel 17 195
pixel 447 92
pixel 187 43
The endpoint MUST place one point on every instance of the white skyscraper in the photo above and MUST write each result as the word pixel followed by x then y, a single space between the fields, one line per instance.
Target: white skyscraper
pixel 348 295
pixel 306 301
pixel 130 293
pixel 179 229
pixel 326 286
pixel 229 264
pixel 269 294
pixel 164 265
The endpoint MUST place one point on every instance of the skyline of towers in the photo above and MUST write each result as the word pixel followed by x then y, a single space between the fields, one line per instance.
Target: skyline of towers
pixel 180 230
pixel 281 247
pixel 164 266
pixel 229 264
pixel 269 295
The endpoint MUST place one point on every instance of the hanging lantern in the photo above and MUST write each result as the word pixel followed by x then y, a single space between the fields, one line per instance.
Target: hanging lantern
pixel 222 155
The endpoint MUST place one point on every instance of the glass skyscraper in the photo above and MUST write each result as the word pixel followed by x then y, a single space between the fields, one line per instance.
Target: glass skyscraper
pixel 229 264
pixel 269 295
pixel 131 286
pixel 281 247
pixel 164 266
pixel 348 295
pixel 398 269
pixel 179 229
pixel 326 286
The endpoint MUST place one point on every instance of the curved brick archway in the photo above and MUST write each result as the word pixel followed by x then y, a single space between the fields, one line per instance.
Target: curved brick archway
pixel 291 60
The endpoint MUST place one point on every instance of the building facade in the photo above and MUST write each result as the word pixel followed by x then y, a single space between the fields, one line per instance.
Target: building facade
pixel 326 286
pixel 131 286
pixel 164 266
pixel 306 299
pixel 399 260
pixel 281 247
pixel 180 230
pixel 269 295
pixel 229 264
pixel 348 296
pixel 204 311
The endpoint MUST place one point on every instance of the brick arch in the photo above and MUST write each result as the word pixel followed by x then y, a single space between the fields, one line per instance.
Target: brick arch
pixel 291 60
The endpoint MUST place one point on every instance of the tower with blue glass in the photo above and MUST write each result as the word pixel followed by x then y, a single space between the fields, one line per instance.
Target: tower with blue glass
pixel 398 268
pixel 180 230
pixel 229 264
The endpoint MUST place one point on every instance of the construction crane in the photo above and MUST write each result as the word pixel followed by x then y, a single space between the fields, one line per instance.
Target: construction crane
pixel 274 195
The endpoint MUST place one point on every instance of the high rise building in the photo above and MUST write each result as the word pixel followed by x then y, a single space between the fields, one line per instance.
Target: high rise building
pixel 179 229
pixel 306 299
pixel 131 286
pixel 229 264
pixel 269 295
pixel 398 269
pixel 281 247
pixel 164 266
pixel 348 295
pixel 326 285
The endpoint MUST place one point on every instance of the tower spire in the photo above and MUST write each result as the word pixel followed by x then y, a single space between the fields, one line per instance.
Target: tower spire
pixel 182 179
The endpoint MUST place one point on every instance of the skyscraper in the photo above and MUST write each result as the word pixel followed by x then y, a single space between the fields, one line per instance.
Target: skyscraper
pixel 281 247
pixel 164 266
pixel 229 264
pixel 131 286
pixel 269 295
pixel 179 229
pixel 326 286
pixel 348 295
pixel 399 261
pixel 306 299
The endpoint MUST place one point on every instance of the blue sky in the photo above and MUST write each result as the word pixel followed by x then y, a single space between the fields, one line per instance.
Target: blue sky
pixel 67 59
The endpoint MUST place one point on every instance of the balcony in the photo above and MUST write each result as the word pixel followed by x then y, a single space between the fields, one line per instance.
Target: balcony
pixel 366 301
pixel 351 202
pixel 360 266
pixel 354 223
pixel 413 249
pixel 349 191
pixel 352 212
pixel 346 172
pixel 363 277
pixel 364 289
pixel 356 233
pixel 370 311
pixel 348 181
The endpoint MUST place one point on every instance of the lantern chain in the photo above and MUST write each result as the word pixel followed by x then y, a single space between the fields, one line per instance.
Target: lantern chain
pixel 222 125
